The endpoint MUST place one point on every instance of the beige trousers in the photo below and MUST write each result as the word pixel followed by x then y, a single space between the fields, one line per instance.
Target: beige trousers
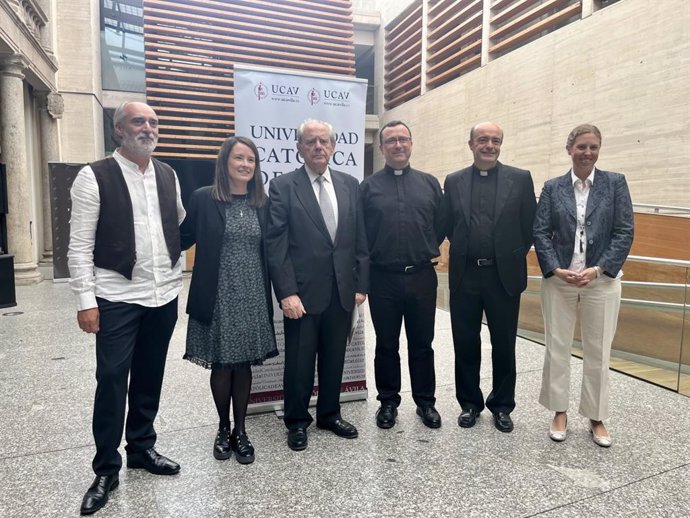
pixel 598 303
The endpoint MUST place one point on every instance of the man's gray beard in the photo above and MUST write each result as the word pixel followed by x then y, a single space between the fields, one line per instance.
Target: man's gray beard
pixel 137 148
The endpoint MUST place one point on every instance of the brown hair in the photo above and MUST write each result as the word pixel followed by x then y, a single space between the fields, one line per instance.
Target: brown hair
pixel 256 196
pixel 582 129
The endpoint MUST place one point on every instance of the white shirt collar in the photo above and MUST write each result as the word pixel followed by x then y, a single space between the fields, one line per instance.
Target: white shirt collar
pixel 133 165
pixel 313 176
pixel 590 177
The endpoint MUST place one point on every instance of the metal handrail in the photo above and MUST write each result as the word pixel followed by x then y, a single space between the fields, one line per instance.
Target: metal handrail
pixel 657 208
pixel 658 260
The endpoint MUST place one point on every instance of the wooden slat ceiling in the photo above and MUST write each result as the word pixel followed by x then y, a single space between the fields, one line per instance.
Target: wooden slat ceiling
pixel 403 48
pixel 191 47
pixel 454 39
pixel 516 23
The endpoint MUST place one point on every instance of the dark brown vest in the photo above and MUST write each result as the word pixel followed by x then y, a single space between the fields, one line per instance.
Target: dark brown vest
pixel 115 245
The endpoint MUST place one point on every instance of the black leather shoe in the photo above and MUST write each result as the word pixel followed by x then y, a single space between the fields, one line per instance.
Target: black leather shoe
pixel 297 439
pixel 242 446
pixel 221 446
pixel 503 422
pixel 97 495
pixel 153 462
pixel 385 416
pixel 430 417
pixel 468 418
pixel 340 427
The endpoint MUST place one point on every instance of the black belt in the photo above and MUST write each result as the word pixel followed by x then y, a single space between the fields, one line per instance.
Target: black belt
pixel 412 268
pixel 489 261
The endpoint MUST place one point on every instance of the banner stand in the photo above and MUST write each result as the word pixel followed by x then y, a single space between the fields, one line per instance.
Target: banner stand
pixel 270 104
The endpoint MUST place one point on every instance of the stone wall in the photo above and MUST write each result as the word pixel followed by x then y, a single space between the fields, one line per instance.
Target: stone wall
pixel 624 68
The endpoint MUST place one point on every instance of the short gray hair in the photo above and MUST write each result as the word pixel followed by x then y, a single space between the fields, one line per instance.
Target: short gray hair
pixel 119 115
pixel 300 129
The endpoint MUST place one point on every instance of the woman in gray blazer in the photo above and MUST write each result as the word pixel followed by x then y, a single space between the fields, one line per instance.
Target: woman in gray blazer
pixel 583 231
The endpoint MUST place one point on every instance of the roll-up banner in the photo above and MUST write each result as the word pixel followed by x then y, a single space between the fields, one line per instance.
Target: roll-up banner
pixel 270 104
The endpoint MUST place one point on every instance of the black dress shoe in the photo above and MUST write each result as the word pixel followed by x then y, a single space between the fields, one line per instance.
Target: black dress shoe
pixel 97 495
pixel 153 462
pixel 340 427
pixel 385 416
pixel 468 418
pixel 503 422
pixel 221 446
pixel 430 417
pixel 297 439
pixel 242 446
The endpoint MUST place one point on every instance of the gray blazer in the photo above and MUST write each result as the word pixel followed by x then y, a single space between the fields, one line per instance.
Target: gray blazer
pixel 609 221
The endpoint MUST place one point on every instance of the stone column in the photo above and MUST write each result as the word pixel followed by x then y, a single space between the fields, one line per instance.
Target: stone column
pixel 51 107
pixel 486 30
pixel 13 138
pixel 588 7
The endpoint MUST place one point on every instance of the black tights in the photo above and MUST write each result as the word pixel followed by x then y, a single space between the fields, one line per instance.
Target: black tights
pixel 231 384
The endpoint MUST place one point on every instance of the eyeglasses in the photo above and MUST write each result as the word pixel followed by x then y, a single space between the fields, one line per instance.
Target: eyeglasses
pixel 311 142
pixel 397 140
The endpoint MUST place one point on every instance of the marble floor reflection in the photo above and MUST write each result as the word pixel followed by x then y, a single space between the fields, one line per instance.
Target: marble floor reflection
pixel 47 385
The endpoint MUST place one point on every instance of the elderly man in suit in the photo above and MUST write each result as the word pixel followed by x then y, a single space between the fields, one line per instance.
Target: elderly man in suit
pixel 319 265
pixel 488 210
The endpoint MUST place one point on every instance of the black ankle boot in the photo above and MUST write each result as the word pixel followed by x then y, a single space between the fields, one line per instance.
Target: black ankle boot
pixel 242 446
pixel 221 446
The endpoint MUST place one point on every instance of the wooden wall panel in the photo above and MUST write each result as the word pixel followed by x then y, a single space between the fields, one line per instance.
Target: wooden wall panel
pixel 657 235
pixel 403 61
pixel 191 47
pixel 517 22
pixel 454 41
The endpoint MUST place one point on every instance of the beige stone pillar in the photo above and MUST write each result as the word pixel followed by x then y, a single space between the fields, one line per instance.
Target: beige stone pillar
pixel 50 108
pixel 486 31
pixel 13 139
pixel 588 8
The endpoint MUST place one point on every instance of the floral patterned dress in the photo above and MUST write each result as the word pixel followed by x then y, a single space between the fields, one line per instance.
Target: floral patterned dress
pixel 240 332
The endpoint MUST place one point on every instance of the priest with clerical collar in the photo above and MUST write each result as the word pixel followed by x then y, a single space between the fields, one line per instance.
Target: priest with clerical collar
pixel 488 210
pixel 402 218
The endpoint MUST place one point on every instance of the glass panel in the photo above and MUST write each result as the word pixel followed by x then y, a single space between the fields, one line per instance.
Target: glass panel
pixel 684 378
pixel 122 45
pixel 122 61
pixel 650 325
pixel 652 341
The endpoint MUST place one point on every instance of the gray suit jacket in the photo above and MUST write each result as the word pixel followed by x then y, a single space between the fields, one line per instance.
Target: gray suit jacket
pixel 609 221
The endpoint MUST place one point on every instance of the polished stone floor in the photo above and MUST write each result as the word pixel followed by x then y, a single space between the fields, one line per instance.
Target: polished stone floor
pixel 47 384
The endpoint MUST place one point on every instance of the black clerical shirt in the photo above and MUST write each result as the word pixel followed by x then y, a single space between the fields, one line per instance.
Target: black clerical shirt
pixel 402 217
pixel 482 209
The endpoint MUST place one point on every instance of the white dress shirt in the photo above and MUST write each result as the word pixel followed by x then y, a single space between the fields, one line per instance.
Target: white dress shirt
pixel 582 188
pixel 154 283
pixel 328 185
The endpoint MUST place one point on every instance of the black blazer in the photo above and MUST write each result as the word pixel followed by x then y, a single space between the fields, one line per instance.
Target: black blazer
pixel 205 226
pixel 515 208
pixel 301 256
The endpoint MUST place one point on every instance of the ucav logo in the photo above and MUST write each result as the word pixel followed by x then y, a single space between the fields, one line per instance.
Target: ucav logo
pixel 313 96
pixel 285 90
pixel 336 95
